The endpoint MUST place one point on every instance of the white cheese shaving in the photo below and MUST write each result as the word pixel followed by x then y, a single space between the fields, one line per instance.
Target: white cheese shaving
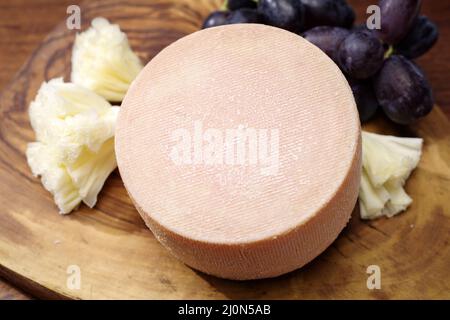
pixel 387 163
pixel 74 152
pixel 102 60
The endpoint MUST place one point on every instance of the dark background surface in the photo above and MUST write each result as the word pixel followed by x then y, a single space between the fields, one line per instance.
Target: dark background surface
pixel 24 24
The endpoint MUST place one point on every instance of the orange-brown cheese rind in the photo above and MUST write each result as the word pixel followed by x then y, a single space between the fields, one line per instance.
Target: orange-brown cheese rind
pixel 241 219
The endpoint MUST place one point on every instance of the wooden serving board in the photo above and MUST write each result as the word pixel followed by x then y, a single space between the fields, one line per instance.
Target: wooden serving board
pixel 118 256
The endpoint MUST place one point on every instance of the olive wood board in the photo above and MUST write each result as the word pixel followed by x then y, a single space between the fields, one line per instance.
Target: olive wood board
pixel 118 257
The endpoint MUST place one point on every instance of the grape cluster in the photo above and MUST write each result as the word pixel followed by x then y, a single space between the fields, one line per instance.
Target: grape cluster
pixel 376 62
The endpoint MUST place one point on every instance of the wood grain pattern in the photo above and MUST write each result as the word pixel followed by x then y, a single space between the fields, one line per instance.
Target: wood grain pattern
pixel 23 25
pixel 119 257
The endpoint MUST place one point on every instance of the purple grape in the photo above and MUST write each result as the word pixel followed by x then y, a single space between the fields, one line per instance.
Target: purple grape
pixel 419 40
pixel 244 15
pixel 397 18
pixel 403 91
pixel 361 55
pixel 328 39
pixel 239 4
pixel 365 98
pixel 216 18
pixel 328 13
pixel 284 14
pixel 363 28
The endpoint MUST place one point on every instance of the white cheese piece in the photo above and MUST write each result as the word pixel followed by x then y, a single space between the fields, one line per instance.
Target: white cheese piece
pixel 43 162
pixel 74 152
pixel 387 163
pixel 102 60
pixel 91 169
pixel 398 199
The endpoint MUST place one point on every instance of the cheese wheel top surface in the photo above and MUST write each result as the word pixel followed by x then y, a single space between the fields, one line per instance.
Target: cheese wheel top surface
pixel 236 134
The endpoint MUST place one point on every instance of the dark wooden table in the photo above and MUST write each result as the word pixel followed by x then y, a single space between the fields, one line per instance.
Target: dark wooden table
pixel 24 24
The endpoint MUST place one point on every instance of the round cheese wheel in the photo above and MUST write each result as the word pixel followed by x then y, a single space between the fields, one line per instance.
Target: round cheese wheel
pixel 240 147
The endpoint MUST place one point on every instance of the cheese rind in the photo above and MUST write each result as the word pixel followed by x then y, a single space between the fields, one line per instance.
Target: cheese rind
pixel 253 218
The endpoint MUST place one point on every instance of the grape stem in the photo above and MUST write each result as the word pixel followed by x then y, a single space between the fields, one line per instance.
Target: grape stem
pixel 389 52
pixel 224 6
